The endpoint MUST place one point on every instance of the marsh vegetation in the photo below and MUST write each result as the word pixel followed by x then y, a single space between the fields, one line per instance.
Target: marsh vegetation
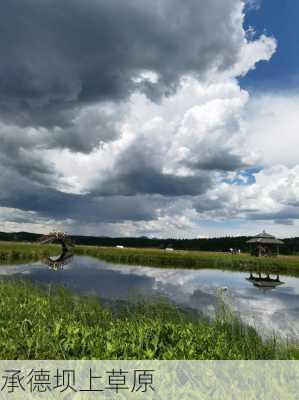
pixel 25 252
pixel 193 259
pixel 14 253
pixel 51 323
pixel 48 322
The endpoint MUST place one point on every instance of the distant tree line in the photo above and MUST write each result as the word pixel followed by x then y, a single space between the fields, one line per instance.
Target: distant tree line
pixel 291 245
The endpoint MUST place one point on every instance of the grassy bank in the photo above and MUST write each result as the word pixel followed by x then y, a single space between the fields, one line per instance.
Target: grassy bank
pixel 193 259
pixel 52 324
pixel 13 253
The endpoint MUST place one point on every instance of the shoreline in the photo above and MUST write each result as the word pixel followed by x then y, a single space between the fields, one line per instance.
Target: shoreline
pixel 15 253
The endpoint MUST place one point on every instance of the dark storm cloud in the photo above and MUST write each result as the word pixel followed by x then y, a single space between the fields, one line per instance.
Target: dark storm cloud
pixel 137 171
pixel 89 129
pixel 67 67
pixel 29 183
pixel 221 161
pixel 284 216
pixel 17 155
pixel 203 204
pixel 150 181
pixel 57 56
pixel 21 193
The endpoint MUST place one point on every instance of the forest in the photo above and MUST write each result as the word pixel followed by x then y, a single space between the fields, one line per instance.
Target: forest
pixel 223 244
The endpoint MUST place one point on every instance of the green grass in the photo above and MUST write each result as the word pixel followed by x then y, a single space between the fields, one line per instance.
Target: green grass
pixel 288 265
pixel 37 323
pixel 14 253
pixel 11 252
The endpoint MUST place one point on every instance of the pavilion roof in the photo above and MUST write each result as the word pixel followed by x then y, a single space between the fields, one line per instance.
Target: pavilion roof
pixel 265 238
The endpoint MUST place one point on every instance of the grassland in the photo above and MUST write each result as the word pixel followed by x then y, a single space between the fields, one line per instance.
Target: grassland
pixel 288 265
pixel 11 252
pixel 37 323
pixel 54 324
pixel 14 253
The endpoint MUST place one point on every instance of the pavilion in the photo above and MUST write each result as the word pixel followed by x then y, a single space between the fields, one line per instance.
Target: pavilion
pixel 264 244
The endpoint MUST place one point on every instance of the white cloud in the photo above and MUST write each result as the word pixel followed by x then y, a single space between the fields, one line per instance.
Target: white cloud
pixel 252 52
pixel 273 197
pixel 272 123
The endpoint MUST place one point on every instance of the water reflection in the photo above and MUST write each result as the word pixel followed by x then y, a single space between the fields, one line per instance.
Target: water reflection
pixel 268 310
pixel 265 282
pixel 66 254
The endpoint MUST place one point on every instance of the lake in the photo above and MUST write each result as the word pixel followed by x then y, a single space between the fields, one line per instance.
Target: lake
pixel 269 310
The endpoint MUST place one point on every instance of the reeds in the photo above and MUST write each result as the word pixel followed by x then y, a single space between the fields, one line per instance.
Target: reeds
pixel 14 253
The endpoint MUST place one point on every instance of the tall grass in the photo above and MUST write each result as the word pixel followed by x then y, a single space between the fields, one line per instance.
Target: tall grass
pixel 53 324
pixel 13 253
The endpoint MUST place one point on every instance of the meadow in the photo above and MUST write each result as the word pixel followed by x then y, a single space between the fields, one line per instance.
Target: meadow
pixel 50 323
pixel 40 322
pixel 288 265
pixel 12 253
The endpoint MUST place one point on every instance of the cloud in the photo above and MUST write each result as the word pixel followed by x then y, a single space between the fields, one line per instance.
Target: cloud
pixel 139 170
pixel 222 161
pixel 273 197
pixel 254 51
pixel 67 54
pixel 19 154
pixel 22 194
pixel 179 147
pixel 253 4
pixel 272 121
pixel 93 126
pixel 126 116
pixel 148 181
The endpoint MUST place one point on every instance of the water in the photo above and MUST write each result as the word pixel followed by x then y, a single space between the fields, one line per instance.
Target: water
pixel 269 311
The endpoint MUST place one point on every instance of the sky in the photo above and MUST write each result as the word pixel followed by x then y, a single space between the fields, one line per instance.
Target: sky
pixel 159 119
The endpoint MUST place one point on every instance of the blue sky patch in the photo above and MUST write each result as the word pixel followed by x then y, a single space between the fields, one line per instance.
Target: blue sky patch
pixel 278 18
